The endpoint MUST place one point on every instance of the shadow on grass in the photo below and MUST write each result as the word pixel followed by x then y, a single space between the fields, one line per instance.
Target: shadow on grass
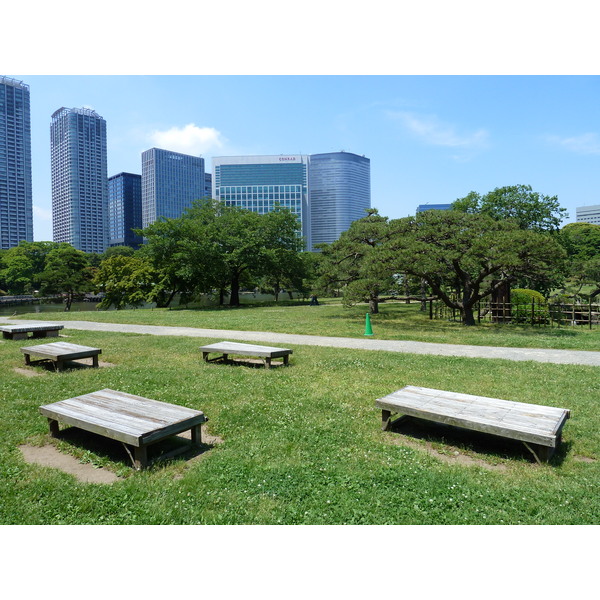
pixel 485 445
pixel 121 454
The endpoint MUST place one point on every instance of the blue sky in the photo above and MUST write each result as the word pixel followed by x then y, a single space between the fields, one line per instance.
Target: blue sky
pixel 431 139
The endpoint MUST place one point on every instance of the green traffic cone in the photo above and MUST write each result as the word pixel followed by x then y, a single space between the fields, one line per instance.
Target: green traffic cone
pixel 368 329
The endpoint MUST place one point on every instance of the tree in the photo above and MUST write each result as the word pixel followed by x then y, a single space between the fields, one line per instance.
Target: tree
pixel 21 264
pixel 345 262
pixel 67 271
pixel 243 243
pixel 125 281
pixel 519 203
pixel 466 257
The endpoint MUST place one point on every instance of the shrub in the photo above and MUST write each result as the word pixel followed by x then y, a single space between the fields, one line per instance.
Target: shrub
pixel 528 306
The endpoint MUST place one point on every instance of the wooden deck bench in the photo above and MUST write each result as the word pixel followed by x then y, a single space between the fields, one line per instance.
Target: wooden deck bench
pixel 227 348
pixel 132 420
pixel 20 332
pixel 59 353
pixel 538 427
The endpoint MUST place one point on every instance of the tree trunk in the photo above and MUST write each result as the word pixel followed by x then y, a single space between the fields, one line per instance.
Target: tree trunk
pixel 69 301
pixel 466 313
pixel 234 298
pixel 221 296
pixel 374 306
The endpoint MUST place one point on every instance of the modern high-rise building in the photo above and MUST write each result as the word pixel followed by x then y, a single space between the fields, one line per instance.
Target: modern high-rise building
pixel 79 179
pixel 340 193
pixel 327 192
pixel 259 183
pixel 124 209
pixel 170 183
pixel 588 214
pixel 423 207
pixel 16 213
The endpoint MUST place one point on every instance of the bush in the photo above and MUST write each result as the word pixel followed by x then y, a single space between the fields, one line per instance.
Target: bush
pixel 529 306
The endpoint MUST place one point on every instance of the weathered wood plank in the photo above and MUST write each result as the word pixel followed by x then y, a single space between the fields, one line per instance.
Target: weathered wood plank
pixel 134 420
pixel 536 424
pixel 240 349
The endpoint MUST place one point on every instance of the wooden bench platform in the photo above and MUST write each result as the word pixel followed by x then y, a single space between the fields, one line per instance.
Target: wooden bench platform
pixel 20 332
pixel 227 348
pixel 132 420
pixel 59 353
pixel 538 427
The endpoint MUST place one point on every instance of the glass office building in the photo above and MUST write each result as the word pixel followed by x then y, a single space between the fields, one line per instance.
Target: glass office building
pixel 588 214
pixel 124 209
pixel 259 183
pixel 340 193
pixel 79 179
pixel 423 207
pixel 16 214
pixel 170 183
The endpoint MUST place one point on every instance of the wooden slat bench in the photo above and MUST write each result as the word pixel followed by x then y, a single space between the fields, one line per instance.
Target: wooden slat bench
pixel 132 420
pixel 227 348
pixel 538 427
pixel 19 332
pixel 59 353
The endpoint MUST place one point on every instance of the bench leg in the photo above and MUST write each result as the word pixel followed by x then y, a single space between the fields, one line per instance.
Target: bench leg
pixel 386 420
pixel 59 365
pixel 27 359
pixel 140 457
pixel 205 356
pixel 53 333
pixel 286 360
pixel 268 362
pixel 53 424
pixel 19 336
pixel 540 453
pixel 95 363
pixel 196 435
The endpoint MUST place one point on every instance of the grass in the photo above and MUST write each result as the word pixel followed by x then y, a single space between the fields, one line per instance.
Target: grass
pixel 396 321
pixel 300 445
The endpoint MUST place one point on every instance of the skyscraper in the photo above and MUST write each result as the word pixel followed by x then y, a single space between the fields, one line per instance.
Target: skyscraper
pixel 340 193
pixel 16 217
pixel 124 209
pixel 588 214
pixel 170 183
pixel 258 183
pixel 79 179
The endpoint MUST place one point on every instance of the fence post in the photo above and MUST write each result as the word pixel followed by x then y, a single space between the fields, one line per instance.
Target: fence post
pixel 590 312
pixel 430 310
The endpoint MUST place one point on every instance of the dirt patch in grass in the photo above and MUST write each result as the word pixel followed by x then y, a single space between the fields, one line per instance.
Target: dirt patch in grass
pixel 49 456
pixel 27 372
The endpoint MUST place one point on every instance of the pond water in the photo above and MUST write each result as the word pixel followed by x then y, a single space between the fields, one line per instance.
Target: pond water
pixel 6 311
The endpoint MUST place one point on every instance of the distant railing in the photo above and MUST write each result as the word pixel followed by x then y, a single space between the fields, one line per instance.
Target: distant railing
pixel 532 313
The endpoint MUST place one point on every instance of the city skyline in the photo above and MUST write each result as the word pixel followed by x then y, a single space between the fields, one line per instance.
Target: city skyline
pixel 430 139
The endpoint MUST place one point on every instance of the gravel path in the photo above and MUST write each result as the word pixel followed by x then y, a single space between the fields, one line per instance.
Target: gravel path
pixel 572 357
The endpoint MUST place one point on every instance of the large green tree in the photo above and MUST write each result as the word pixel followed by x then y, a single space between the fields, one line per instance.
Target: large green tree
pixel 20 265
pixel 346 263
pixel 465 257
pixel 518 203
pixel 125 281
pixel 66 271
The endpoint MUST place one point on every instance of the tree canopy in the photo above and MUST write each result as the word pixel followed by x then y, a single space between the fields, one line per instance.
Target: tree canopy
pixel 345 262
pixel 465 257
pixel 518 203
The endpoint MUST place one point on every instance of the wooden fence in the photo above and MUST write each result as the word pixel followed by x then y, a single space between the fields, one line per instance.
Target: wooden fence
pixel 533 313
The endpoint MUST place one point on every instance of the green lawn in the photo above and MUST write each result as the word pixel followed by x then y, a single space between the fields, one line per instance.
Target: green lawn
pixel 396 321
pixel 300 445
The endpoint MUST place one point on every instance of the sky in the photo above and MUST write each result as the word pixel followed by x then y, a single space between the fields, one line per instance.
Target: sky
pixel 430 138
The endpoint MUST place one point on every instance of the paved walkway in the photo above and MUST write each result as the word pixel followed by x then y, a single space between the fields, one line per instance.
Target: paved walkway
pixel 571 357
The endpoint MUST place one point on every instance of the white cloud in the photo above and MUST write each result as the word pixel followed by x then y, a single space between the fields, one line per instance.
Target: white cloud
pixel 587 143
pixel 432 131
pixel 189 139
